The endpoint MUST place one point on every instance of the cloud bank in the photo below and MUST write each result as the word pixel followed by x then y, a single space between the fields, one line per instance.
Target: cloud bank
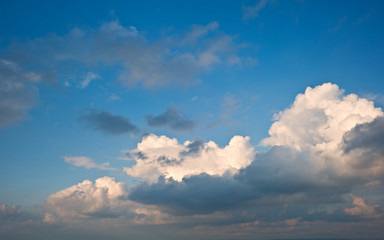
pixel 325 164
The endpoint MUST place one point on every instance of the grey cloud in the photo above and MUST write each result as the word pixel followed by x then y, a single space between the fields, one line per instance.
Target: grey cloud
pixel 368 136
pixel 143 62
pixel 107 123
pixel 172 118
pixel 17 92
pixel 279 184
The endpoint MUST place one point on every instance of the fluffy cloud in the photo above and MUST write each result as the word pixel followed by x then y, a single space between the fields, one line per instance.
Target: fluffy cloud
pixel 173 118
pixel 315 159
pixel 142 61
pixel 81 161
pixel 104 198
pixel 108 123
pixel 159 156
pixel 319 118
pixel 323 148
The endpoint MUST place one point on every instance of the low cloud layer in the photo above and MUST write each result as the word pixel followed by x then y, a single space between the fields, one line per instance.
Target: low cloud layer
pixel 324 164
pixel 171 118
pixel 108 123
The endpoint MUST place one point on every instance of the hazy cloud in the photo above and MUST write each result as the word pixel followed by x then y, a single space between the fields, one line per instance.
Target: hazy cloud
pixel 107 123
pixel 88 78
pixel 143 62
pixel 81 161
pixel 253 11
pixel 171 118
pixel 17 92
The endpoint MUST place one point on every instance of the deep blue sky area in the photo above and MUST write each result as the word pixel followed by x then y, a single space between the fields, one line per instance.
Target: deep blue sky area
pixel 191 119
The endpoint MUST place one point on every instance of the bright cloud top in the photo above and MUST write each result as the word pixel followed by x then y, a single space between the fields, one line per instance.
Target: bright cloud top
pixel 86 199
pixel 320 117
pixel 159 156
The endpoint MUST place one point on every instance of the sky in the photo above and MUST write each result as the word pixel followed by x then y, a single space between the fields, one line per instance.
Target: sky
pixel 259 119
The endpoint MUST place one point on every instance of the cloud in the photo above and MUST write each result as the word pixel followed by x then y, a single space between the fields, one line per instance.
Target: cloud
pixel 88 78
pixel 307 163
pixel 319 118
pixel 6 212
pixel 101 199
pixel 80 161
pixel 172 118
pixel 17 92
pixel 158 156
pixel 174 60
pixel 253 11
pixel 361 208
pixel 107 123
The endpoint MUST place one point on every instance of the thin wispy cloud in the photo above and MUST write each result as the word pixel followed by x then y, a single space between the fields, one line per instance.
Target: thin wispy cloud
pixel 253 11
pixel 81 161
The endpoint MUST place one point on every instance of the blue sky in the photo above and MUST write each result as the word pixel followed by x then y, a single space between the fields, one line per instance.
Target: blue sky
pixel 199 119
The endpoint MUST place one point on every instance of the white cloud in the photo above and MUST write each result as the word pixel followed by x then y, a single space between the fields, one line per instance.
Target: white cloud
pixel 319 118
pixel 159 156
pixel 104 198
pixel 81 161
pixel 88 78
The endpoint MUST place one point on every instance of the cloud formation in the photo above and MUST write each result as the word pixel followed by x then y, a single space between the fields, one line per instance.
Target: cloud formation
pixel 81 161
pixel 171 118
pixel 104 198
pixel 307 163
pixel 158 156
pixel 17 92
pixel 108 123
pixel 303 178
pixel 253 11
pixel 143 62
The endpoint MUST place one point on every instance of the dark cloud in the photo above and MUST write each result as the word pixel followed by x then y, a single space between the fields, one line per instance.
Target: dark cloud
pixel 367 137
pixel 279 184
pixel 107 123
pixel 172 118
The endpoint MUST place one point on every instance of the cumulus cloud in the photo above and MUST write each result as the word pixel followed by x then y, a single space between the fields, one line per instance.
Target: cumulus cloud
pixel 108 123
pixel 159 156
pixel 17 92
pixel 81 161
pixel 302 177
pixel 172 118
pixel 307 163
pixel 104 198
pixel 319 118
pixel 143 62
